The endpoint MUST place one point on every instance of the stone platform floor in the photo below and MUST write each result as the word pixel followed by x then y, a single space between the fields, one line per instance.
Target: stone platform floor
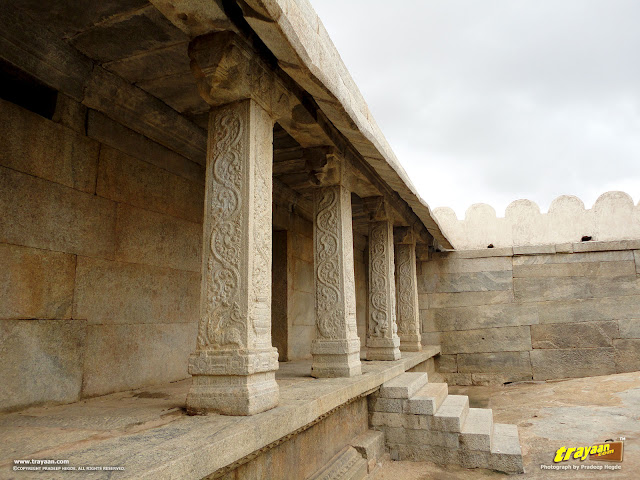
pixel 148 433
pixel 550 415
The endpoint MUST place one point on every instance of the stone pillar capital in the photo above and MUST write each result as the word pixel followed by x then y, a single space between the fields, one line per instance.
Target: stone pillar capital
pixel 377 208
pixel 227 69
pixel 326 166
pixel 336 349
pixel 404 236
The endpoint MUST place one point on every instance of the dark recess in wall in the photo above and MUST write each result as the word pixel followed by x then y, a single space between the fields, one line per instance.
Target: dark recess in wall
pixel 22 89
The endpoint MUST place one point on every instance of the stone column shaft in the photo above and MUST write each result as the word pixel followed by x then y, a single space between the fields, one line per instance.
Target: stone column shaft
pixel 382 338
pixel 234 365
pixel 336 349
pixel 408 318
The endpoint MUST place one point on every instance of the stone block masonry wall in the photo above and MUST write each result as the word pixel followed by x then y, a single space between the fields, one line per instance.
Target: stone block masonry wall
pixel 100 240
pixel 536 312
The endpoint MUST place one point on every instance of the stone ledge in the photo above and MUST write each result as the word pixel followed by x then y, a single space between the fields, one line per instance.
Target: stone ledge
pixel 543 249
pixel 194 447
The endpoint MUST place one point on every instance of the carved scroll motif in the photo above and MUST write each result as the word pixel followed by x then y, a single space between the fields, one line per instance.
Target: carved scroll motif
pixel 378 287
pixel 328 294
pixel 261 277
pixel 406 310
pixel 222 321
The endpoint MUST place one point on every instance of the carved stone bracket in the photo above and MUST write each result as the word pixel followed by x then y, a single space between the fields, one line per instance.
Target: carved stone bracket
pixel 408 318
pixel 228 69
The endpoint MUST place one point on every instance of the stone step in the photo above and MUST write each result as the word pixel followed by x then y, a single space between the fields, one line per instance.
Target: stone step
pixel 477 430
pixel 404 386
pixel 346 465
pixel 506 455
pixel 427 400
pixel 370 445
pixel 452 413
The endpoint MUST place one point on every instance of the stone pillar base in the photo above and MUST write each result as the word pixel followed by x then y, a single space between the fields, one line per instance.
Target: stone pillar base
pixel 410 343
pixel 383 348
pixel 336 358
pixel 233 382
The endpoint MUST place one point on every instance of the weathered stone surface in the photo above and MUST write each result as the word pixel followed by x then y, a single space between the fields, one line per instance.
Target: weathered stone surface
pixel 574 335
pixel 124 178
pixel 572 363
pixel 499 379
pixel 427 400
pixel 606 246
pixel 569 288
pixel 589 310
pixel 370 445
pixel 477 429
pixel 35 283
pixel 385 405
pixel 622 256
pixel 495 362
pixel 303 276
pixel 153 238
pixel 70 113
pixel 349 464
pixel 575 269
pixel 636 256
pixel 234 362
pixel 506 455
pixel 407 314
pixel 468 299
pixel 480 253
pixel 302 310
pixel 114 292
pixel 446 363
pixel 42 361
pixel 485 316
pixel 507 339
pixel 111 133
pixel 465 265
pixel 382 337
pixel 629 328
pixel 466 282
pixel 534 249
pixel 41 214
pixel 127 356
pixel 457 378
pixel 452 413
pixel 32 144
pixel 336 349
pixel 403 386
pixel 627 354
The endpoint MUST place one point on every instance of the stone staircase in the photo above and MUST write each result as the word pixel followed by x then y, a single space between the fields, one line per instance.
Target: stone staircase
pixel 422 422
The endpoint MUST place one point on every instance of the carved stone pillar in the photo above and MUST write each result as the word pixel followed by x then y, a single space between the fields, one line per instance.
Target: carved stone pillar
pixel 336 349
pixel 382 338
pixel 234 364
pixel 408 318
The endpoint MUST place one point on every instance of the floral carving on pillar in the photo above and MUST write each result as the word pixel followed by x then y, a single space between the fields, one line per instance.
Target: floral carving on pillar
pixel 329 298
pixel 406 289
pixel 222 322
pixel 382 297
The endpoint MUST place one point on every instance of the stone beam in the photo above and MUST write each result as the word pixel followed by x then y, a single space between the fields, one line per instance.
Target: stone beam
pixel 41 54
pixel 407 313
pixel 382 337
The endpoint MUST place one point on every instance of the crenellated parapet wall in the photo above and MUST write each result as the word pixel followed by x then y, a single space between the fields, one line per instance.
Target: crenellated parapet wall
pixel 613 217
